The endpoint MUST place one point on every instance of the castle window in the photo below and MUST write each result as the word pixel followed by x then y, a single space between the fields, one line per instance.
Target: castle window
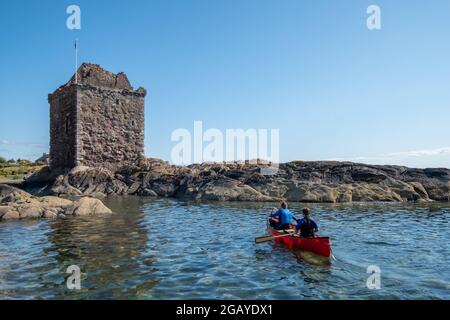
pixel 66 125
pixel 132 123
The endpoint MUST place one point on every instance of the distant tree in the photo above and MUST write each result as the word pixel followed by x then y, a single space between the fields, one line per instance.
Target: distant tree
pixel 11 161
pixel 2 160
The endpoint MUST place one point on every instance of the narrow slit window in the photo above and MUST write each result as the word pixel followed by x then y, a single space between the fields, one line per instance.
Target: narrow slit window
pixel 66 125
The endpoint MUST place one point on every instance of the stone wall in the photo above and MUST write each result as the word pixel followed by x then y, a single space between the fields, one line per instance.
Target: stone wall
pixel 63 127
pixel 112 126
pixel 97 121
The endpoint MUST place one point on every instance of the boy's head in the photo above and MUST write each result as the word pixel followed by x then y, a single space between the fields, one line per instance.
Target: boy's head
pixel 284 205
pixel 306 212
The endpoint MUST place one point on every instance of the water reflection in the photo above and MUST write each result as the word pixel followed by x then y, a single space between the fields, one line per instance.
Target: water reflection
pixel 308 257
pixel 110 250
pixel 167 249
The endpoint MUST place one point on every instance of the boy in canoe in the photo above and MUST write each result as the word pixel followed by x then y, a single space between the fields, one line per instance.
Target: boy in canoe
pixel 306 226
pixel 283 218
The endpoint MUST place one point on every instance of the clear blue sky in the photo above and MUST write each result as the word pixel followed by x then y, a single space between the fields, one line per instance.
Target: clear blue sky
pixel 310 68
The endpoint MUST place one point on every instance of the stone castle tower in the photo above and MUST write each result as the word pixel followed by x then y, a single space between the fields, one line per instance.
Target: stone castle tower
pixel 97 120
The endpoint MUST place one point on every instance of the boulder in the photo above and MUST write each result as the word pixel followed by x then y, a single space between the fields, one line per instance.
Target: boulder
pixel 87 207
pixel 17 204
pixel 10 214
pixel 55 202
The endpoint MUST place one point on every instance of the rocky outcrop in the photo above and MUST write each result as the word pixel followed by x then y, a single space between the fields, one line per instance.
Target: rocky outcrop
pixel 87 207
pixel 298 181
pixel 17 204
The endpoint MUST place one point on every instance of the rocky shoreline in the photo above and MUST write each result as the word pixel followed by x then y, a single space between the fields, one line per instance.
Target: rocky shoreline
pixel 16 204
pixel 319 181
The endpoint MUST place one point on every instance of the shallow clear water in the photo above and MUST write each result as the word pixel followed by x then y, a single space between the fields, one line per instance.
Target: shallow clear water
pixel 167 249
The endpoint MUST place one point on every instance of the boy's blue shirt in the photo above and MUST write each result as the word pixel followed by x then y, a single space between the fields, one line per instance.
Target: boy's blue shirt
pixel 284 215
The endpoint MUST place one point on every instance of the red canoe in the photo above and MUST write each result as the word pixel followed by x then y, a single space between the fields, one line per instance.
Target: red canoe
pixel 317 245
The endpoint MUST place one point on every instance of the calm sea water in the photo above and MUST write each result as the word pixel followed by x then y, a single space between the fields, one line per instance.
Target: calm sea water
pixel 167 249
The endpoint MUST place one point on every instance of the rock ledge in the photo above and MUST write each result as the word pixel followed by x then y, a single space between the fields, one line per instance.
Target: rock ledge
pixel 17 204
pixel 298 181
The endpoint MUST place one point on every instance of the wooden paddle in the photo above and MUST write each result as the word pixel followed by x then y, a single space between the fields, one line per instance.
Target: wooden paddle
pixel 270 238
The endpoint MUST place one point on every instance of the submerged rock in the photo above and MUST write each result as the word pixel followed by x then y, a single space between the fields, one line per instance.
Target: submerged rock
pixel 320 181
pixel 17 204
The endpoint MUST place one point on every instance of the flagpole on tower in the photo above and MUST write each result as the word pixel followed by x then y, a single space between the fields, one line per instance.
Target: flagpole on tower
pixel 76 61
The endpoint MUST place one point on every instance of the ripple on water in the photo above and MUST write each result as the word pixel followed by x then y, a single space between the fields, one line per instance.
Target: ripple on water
pixel 165 249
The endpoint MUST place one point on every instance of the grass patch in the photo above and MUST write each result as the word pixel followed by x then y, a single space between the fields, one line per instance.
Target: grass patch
pixel 18 172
